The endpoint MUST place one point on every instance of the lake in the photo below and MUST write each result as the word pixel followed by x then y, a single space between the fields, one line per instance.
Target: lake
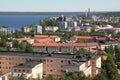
pixel 18 21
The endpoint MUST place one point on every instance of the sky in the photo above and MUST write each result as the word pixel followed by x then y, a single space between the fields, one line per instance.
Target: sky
pixel 59 5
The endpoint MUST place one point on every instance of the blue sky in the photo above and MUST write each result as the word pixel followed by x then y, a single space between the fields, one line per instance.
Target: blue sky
pixel 59 5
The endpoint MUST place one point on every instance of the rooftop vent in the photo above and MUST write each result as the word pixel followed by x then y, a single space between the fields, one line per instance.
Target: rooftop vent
pixel 78 56
pixel 89 57
pixel 49 54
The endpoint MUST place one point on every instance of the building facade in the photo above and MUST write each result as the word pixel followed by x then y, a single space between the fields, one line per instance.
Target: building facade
pixel 38 29
pixel 55 64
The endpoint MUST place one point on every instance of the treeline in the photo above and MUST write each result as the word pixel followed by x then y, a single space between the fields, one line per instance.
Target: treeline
pixel 8 39
pixel 108 14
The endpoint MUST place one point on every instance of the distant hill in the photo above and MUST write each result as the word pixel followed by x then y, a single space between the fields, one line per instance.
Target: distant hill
pixel 117 14
pixel 41 13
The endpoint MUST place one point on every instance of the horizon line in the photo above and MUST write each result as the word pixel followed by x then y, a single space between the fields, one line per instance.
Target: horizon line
pixel 53 11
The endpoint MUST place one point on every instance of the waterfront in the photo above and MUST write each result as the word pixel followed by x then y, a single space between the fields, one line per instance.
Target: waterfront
pixel 17 21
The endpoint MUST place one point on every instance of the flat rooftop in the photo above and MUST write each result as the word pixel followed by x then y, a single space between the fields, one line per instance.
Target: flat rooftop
pixel 29 64
pixel 57 55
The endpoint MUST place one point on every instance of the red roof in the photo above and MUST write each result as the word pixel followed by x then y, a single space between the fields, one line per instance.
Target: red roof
pixel 104 57
pixel 45 36
pixel 114 28
pixel 67 44
pixel 100 38
pixel 20 39
pixel 44 40
pixel 83 37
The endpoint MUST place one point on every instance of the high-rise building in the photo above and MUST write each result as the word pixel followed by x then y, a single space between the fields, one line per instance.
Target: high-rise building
pixel 87 13
pixel 38 29
pixel 63 25
pixel 75 24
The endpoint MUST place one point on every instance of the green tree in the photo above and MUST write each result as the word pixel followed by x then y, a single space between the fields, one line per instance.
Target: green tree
pixel 101 76
pixel 76 76
pixel 82 51
pixel 117 53
pixel 25 46
pixel 110 50
pixel 15 44
pixel 3 42
pixel 21 78
pixel 109 67
pixel 50 77
pixel 28 48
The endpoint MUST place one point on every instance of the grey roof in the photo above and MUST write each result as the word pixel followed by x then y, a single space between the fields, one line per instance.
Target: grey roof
pixel 58 55
pixel 29 64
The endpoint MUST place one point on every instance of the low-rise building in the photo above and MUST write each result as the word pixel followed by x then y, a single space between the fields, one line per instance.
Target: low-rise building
pixel 83 39
pixel 62 47
pixel 29 69
pixel 3 30
pixel 44 41
pixel 53 37
pixel 38 29
pixel 51 28
pixel 29 40
pixel 27 29
pixel 77 28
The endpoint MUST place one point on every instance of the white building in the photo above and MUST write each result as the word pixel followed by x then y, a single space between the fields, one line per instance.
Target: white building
pixel 75 24
pixel 26 29
pixel 38 29
pixel 51 28
pixel 89 68
pixel 3 29
pixel 30 69
pixel 63 25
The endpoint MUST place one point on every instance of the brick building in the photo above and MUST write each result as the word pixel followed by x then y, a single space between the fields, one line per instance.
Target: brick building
pixel 53 64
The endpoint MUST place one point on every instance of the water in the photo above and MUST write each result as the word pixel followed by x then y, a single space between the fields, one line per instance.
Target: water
pixel 19 21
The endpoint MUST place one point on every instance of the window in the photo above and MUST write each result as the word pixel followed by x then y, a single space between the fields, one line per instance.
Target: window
pixel 19 70
pixel 51 60
pixel 47 60
pixel 51 70
pixel 69 62
pixel 40 60
pixel 23 70
pixel 6 67
pixel 15 70
pixel 61 61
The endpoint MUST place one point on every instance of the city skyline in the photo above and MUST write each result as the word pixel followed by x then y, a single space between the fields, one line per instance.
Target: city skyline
pixel 58 5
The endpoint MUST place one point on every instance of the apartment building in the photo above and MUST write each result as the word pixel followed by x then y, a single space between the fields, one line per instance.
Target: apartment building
pixel 29 69
pixel 29 40
pixel 82 39
pixel 62 47
pixel 38 29
pixel 53 37
pixel 57 64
